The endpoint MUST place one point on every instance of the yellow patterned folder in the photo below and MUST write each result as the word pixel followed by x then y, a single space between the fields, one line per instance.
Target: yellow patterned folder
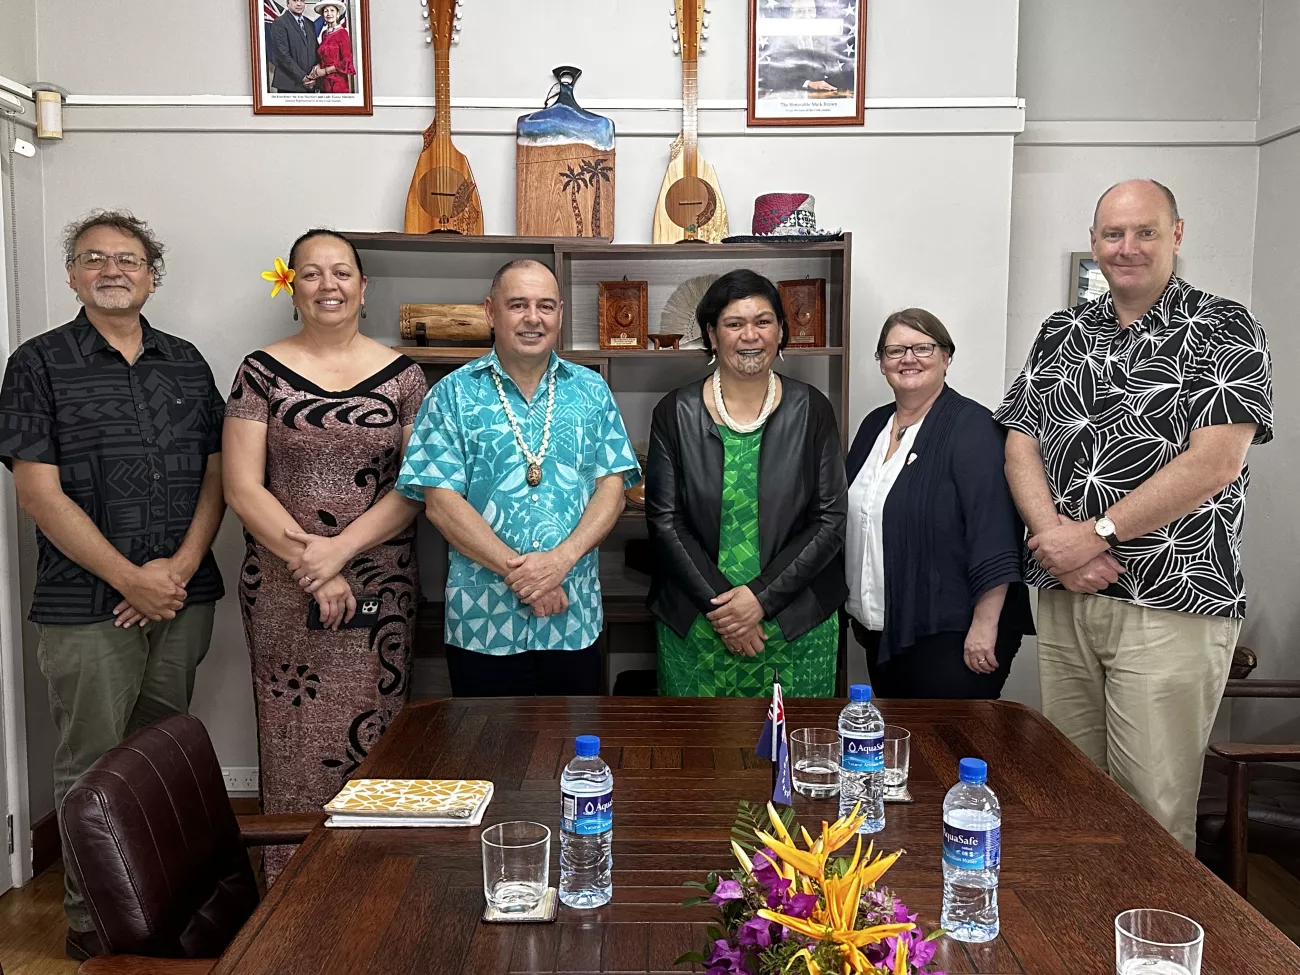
pixel 410 802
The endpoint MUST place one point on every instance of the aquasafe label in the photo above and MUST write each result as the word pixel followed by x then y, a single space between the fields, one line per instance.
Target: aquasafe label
pixel 972 849
pixel 862 754
pixel 588 815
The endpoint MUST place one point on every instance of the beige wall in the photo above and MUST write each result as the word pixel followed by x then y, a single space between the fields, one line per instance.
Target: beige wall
pixel 1272 536
pixel 18 41
pixel 1280 75
pixel 1154 59
pixel 1272 527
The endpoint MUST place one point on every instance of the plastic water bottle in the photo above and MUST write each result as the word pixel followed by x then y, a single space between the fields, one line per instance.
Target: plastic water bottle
pixel 862 759
pixel 972 853
pixel 586 827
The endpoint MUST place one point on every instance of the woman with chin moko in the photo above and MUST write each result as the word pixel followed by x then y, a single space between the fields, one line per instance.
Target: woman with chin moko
pixel 745 503
pixel 934 545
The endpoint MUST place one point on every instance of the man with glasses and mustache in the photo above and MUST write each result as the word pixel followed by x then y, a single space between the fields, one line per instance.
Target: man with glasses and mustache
pixel 113 432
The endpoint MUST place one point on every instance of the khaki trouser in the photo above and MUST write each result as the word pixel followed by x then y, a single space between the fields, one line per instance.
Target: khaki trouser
pixel 107 683
pixel 1137 690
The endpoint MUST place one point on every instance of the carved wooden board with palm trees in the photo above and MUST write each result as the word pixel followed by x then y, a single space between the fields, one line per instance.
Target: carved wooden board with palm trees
pixel 443 196
pixel 690 203
pixel 564 168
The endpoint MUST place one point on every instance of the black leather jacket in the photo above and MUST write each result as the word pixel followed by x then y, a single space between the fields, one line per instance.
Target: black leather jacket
pixel 802 511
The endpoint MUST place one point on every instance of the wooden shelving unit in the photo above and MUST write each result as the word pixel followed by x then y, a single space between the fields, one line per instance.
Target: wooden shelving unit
pixel 412 268
pixel 442 355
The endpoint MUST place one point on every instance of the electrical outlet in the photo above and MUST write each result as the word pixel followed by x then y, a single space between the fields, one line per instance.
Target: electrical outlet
pixel 240 779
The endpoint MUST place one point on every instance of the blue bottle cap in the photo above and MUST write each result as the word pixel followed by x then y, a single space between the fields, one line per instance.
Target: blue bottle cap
pixel 973 770
pixel 588 745
pixel 860 692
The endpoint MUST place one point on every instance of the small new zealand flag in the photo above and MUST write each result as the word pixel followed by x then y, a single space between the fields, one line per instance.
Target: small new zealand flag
pixel 773 746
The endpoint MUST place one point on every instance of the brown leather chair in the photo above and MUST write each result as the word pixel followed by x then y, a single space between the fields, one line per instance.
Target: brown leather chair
pixel 1236 807
pixel 160 854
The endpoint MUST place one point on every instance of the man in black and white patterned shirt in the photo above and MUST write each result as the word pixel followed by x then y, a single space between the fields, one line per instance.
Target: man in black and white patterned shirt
pixel 112 429
pixel 1126 447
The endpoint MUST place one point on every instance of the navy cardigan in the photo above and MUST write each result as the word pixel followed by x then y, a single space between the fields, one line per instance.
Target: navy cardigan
pixel 950 529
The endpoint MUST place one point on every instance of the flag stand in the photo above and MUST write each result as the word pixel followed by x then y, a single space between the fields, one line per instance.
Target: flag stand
pixel 776 764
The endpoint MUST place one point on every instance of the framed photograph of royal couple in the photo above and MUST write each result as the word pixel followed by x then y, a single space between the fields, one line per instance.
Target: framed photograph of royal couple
pixel 310 57
pixel 806 62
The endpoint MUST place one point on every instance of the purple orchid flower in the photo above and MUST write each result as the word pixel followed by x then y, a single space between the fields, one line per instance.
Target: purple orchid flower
pixel 919 951
pixel 801 905
pixel 756 932
pixel 765 872
pixel 728 890
pixel 922 952
pixel 724 959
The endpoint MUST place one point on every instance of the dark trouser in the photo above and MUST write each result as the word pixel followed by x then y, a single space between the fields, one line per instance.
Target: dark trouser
pixel 108 682
pixel 548 672
pixel 934 667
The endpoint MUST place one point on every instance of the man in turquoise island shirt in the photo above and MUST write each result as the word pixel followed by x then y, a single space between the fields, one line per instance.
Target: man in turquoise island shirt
pixel 521 459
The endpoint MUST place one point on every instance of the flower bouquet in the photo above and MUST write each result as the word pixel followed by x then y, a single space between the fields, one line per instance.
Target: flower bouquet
pixel 802 911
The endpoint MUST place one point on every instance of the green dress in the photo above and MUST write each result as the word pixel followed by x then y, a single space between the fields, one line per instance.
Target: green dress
pixel 699 665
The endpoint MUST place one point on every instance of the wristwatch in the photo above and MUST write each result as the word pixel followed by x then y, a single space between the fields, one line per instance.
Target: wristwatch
pixel 1105 529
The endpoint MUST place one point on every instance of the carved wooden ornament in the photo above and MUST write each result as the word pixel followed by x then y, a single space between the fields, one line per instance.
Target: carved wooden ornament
pixel 622 314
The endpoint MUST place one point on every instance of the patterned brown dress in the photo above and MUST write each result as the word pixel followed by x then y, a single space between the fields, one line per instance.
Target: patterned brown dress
pixel 323 699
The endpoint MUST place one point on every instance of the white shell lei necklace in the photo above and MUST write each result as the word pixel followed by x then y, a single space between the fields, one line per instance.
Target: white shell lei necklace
pixel 534 473
pixel 769 401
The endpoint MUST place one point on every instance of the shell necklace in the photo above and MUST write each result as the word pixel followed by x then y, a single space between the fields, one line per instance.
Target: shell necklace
pixel 533 475
pixel 768 402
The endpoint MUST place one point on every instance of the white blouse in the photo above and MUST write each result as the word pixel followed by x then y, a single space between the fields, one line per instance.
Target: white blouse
pixel 864 550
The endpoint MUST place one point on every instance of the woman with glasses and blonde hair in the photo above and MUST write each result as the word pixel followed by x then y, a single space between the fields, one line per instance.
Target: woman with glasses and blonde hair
pixel 934 545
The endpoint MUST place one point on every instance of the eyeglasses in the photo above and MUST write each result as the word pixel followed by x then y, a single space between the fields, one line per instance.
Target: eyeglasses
pixel 922 351
pixel 95 261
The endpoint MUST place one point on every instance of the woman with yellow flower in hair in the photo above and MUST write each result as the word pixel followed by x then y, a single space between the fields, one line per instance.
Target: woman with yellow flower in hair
pixel 315 430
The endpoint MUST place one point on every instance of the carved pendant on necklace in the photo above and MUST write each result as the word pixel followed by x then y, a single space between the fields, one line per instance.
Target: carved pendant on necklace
pixel 534 475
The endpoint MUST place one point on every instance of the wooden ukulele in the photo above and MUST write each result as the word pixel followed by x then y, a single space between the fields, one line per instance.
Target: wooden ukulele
pixel 443 196
pixel 690 203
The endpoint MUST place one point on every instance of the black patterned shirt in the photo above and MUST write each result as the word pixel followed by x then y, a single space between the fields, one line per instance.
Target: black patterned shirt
pixel 131 443
pixel 1110 406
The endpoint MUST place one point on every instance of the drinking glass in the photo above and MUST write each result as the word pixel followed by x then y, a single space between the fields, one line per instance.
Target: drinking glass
pixel 1151 942
pixel 815 759
pixel 898 760
pixel 516 865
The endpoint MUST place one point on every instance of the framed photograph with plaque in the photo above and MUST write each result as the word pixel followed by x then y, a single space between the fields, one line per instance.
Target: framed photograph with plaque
pixel 310 57
pixel 806 62
pixel 623 314
pixel 804 302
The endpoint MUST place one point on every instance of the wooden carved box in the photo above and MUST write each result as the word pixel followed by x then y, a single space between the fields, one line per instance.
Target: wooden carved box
pixel 805 311
pixel 623 317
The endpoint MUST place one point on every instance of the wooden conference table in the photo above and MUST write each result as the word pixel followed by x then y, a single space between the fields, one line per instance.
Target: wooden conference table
pixel 1076 850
